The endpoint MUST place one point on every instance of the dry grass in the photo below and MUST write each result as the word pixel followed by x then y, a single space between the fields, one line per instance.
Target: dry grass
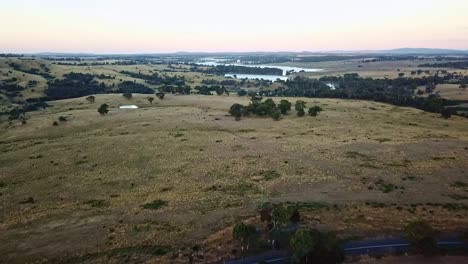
pixel 91 176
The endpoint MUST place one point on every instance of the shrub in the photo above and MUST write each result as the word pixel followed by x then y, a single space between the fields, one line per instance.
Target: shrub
pixel 103 109
pixel 300 106
pixel 422 237
pixel 284 106
pixel 237 110
pixel 127 96
pixel 313 111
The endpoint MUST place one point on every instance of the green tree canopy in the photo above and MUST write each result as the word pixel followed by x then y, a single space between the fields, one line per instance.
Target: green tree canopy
pixel 300 106
pixel 103 109
pixel 422 236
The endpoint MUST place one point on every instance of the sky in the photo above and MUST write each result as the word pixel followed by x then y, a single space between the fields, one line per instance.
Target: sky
pixel 145 26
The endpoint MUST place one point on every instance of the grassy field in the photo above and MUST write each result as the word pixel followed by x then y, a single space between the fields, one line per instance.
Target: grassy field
pixel 135 184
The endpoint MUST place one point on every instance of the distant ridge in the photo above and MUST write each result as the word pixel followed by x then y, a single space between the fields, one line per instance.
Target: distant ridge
pixel 426 51
pixel 399 51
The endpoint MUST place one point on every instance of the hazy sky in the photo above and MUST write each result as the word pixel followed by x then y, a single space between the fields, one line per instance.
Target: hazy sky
pixel 137 26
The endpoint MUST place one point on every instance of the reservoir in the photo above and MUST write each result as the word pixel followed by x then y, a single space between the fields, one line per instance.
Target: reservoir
pixel 285 69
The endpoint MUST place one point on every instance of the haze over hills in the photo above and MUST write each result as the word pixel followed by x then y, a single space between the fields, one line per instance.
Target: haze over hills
pixel 397 51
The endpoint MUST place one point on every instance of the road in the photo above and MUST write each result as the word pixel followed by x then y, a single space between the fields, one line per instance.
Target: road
pixel 353 248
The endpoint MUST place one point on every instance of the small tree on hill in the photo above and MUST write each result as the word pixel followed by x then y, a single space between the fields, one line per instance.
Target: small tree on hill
pixel 160 95
pixel 150 100
pixel 220 90
pixel 463 85
pixel 237 110
pixel 242 93
pixel 300 106
pixel 446 113
pixel 302 243
pixel 243 233
pixel 314 111
pixel 90 99
pixel 103 109
pixel 127 96
pixel 275 113
pixel 422 237
pixel 284 106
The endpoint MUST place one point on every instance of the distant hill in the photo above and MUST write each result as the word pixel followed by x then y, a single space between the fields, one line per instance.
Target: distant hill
pixel 425 51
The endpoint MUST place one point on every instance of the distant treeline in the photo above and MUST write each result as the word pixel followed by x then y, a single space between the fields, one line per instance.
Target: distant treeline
pixel 451 64
pixel 10 55
pixel 234 69
pixel 156 79
pixel 44 73
pixel 398 91
pixel 80 84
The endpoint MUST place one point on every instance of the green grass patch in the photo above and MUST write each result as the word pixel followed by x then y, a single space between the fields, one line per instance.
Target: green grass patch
pixel 241 189
pixel 356 155
pixel 98 203
pixel 386 187
pixel 270 174
pixel 457 184
pixel 246 130
pixel 457 197
pixel 155 205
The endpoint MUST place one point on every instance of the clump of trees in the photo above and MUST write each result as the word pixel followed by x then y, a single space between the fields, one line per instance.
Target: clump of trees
pixel 312 246
pixel 74 85
pixel 233 69
pixel 132 87
pixel 260 108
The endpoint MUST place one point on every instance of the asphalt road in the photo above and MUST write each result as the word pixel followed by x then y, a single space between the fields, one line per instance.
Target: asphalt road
pixel 353 248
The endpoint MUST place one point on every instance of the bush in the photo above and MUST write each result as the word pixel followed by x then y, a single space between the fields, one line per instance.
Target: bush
pixel 312 246
pixel 284 106
pixel 422 237
pixel 103 109
pixel 313 111
pixel 300 106
pixel 127 96
pixel 237 110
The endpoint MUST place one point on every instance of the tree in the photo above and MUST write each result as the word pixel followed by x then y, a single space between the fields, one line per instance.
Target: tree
pixel 220 90
pixel 300 106
pixel 237 110
pixel 463 85
pixel 150 100
pixel 312 246
pixel 243 233
pixel 103 109
pixel 313 111
pixel 127 96
pixel 446 112
pixel 160 95
pixel 284 106
pixel 401 74
pixel 275 113
pixel 242 93
pixel 422 237
pixel 302 243
pixel 91 99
